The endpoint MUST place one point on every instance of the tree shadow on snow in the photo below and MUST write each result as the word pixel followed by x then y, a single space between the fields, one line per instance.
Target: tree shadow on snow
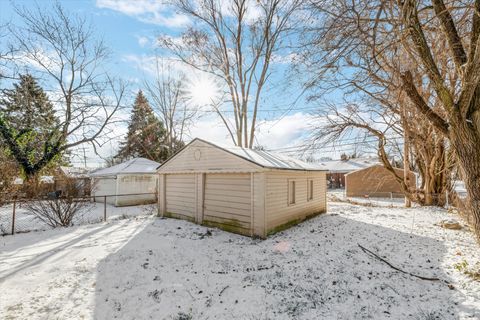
pixel 173 269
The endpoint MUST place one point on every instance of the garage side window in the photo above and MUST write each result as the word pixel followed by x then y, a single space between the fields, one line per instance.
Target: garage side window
pixel 291 192
pixel 309 189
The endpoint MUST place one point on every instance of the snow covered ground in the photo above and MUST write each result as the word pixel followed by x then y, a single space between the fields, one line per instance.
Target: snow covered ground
pixel 339 194
pixel 152 268
pixel 91 213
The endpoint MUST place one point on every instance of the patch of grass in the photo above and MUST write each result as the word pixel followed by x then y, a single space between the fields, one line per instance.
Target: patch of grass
pixel 428 315
pixel 335 198
pixel 179 216
pixel 292 223
pixel 472 272
pixel 230 225
pixel 183 316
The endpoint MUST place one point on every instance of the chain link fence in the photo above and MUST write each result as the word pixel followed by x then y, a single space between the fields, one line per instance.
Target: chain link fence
pixel 25 215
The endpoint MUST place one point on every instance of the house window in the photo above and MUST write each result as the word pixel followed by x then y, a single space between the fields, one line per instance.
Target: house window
pixel 291 192
pixel 309 189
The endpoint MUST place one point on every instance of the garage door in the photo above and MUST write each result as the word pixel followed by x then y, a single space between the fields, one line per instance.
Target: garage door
pixel 180 195
pixel 228 201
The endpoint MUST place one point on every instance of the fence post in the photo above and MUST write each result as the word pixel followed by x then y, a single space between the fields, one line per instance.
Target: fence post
pixel 105 208
pixel 13 215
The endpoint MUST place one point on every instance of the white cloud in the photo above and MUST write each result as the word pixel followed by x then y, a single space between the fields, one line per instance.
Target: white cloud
pixel 287 131
pixel 285 59
pixel 42 59
pixel 273 133
pixel 148 11
pixel 143 41
pixel 148 63
pixel 144 63
pixel 212 129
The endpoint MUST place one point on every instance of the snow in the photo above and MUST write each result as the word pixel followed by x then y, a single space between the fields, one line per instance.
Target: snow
pixel 151 268
pixel 339 195
pixel 133 166
pixel 90 213
pixel 350 165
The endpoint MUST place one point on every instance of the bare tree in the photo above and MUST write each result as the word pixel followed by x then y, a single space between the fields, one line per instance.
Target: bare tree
pixel 168 100
pixel 61 211
pixel 62 49
pixel 398 48
pixel 340 122
pixel 236 41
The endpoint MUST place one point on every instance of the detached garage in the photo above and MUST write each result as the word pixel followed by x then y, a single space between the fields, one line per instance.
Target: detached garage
pixel 376 181
pixel 129 183
pixel 245 191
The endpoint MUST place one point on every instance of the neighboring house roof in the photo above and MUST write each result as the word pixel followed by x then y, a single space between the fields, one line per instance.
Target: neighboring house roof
pixel 346 166
pixel 74 172
pixel 133 166
pixel 265 159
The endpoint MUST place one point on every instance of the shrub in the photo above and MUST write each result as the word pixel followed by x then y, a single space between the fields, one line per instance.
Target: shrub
pixel 59 208
pixel 57 212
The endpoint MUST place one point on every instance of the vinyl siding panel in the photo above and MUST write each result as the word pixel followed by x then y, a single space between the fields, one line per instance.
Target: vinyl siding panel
pixel 210 186
pixel 104 187
pixel 278 212
pixel 227 202
pixel 202 157
pixel 136 189
pixel 259 223
pixel 180 196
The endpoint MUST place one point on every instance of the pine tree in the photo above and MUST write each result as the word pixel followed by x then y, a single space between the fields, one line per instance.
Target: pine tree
pixel 146 134
pixel 27 106
pixel 28 124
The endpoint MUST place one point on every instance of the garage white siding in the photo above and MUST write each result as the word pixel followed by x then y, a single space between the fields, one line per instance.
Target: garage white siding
pixel 180 195
pixel 136 189
pixel 133 182
pixel 228 202
pixel 279 212
pixel 239 190
pixel 105 187
pixel 201 157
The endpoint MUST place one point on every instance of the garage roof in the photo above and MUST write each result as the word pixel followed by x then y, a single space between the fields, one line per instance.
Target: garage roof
pixel 272 160
pixel 133 166
pixel 346 166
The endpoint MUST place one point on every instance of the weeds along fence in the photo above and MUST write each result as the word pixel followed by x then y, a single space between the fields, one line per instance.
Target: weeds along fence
pixel 393 198
pixel 25 215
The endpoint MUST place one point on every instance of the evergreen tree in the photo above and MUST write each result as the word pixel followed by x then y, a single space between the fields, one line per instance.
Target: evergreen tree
pixel 146 134
pixel 27 106
pixel 28 124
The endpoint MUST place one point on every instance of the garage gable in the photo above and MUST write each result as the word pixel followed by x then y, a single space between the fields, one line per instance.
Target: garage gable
pixel 201 156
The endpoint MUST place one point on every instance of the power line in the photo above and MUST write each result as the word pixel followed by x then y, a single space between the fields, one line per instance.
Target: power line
pixel 315 147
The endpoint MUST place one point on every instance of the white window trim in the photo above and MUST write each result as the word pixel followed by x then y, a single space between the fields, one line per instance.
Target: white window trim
pixel 291 196
pixel 310 189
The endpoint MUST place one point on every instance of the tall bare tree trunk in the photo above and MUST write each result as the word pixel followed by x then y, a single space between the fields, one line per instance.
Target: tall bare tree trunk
pixel 406 161
pixel 465 143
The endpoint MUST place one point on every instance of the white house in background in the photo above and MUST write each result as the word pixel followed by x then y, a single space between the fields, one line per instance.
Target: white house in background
pixel 43 179
pixel 240 190
pixel 129 183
